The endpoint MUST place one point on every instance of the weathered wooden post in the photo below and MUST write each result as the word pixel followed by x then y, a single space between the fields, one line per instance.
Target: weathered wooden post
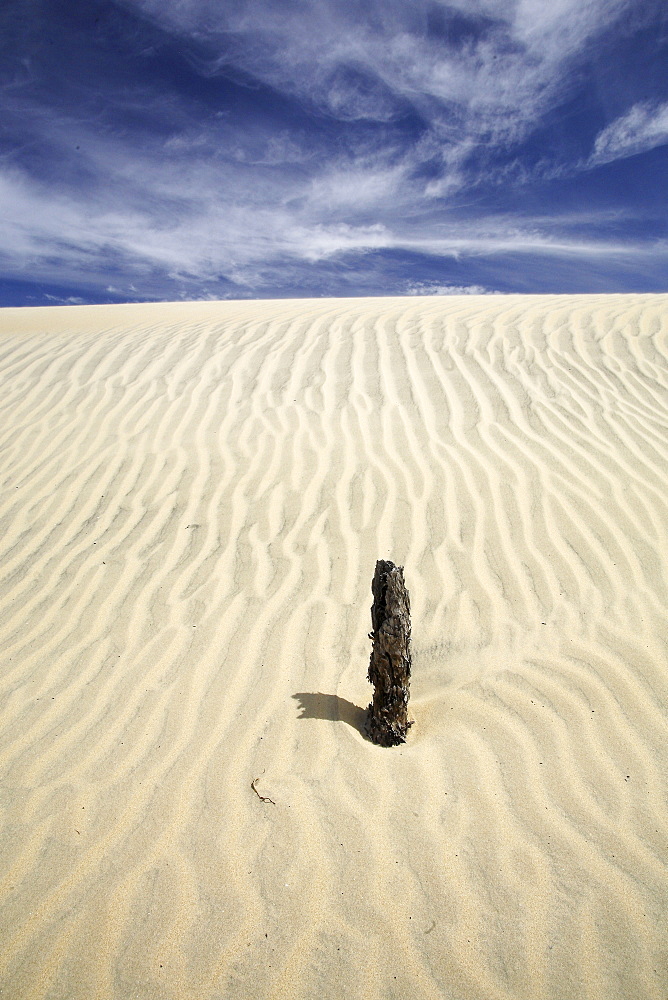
pixel 390 665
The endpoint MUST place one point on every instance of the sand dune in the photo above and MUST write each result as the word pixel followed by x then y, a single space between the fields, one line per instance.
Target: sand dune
pixel 193 497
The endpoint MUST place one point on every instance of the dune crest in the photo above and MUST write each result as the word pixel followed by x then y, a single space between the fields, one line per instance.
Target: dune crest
pixel 193 497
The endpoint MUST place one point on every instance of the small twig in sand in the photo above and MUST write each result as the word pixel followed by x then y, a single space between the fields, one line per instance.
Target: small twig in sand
pixel 263 798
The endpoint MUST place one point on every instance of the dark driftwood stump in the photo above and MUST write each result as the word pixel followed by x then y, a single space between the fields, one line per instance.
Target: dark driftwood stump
pixel 390 666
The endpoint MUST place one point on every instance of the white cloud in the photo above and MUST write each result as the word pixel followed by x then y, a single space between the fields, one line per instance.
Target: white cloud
pixel 199 197
pixel 362 186
pixel 212 238
pixel 434 288
pixel 497 66
pixel 70 300
pixel 642 128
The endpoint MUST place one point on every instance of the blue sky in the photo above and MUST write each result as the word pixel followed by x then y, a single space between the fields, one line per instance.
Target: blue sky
pixel 193 149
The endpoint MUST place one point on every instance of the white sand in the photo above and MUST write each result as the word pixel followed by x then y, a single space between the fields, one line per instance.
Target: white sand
pixel 192 501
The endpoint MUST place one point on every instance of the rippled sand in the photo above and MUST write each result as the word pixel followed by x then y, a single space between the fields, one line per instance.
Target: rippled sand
pixel 192 501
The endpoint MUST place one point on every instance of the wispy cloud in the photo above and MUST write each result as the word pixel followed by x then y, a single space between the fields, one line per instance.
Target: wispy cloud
pixel 69 300
pixel 434 288
pixel 167 147
pixel 484 68
pixel 642 128
pixel 208 237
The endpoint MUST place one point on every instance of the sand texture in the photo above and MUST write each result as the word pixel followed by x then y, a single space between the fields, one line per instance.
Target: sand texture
pixel 192 501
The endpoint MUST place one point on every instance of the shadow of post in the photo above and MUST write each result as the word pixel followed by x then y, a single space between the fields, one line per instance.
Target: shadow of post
pixel 315 705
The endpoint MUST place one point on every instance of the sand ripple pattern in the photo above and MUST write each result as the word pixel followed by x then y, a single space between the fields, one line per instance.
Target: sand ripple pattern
pixel 192 500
